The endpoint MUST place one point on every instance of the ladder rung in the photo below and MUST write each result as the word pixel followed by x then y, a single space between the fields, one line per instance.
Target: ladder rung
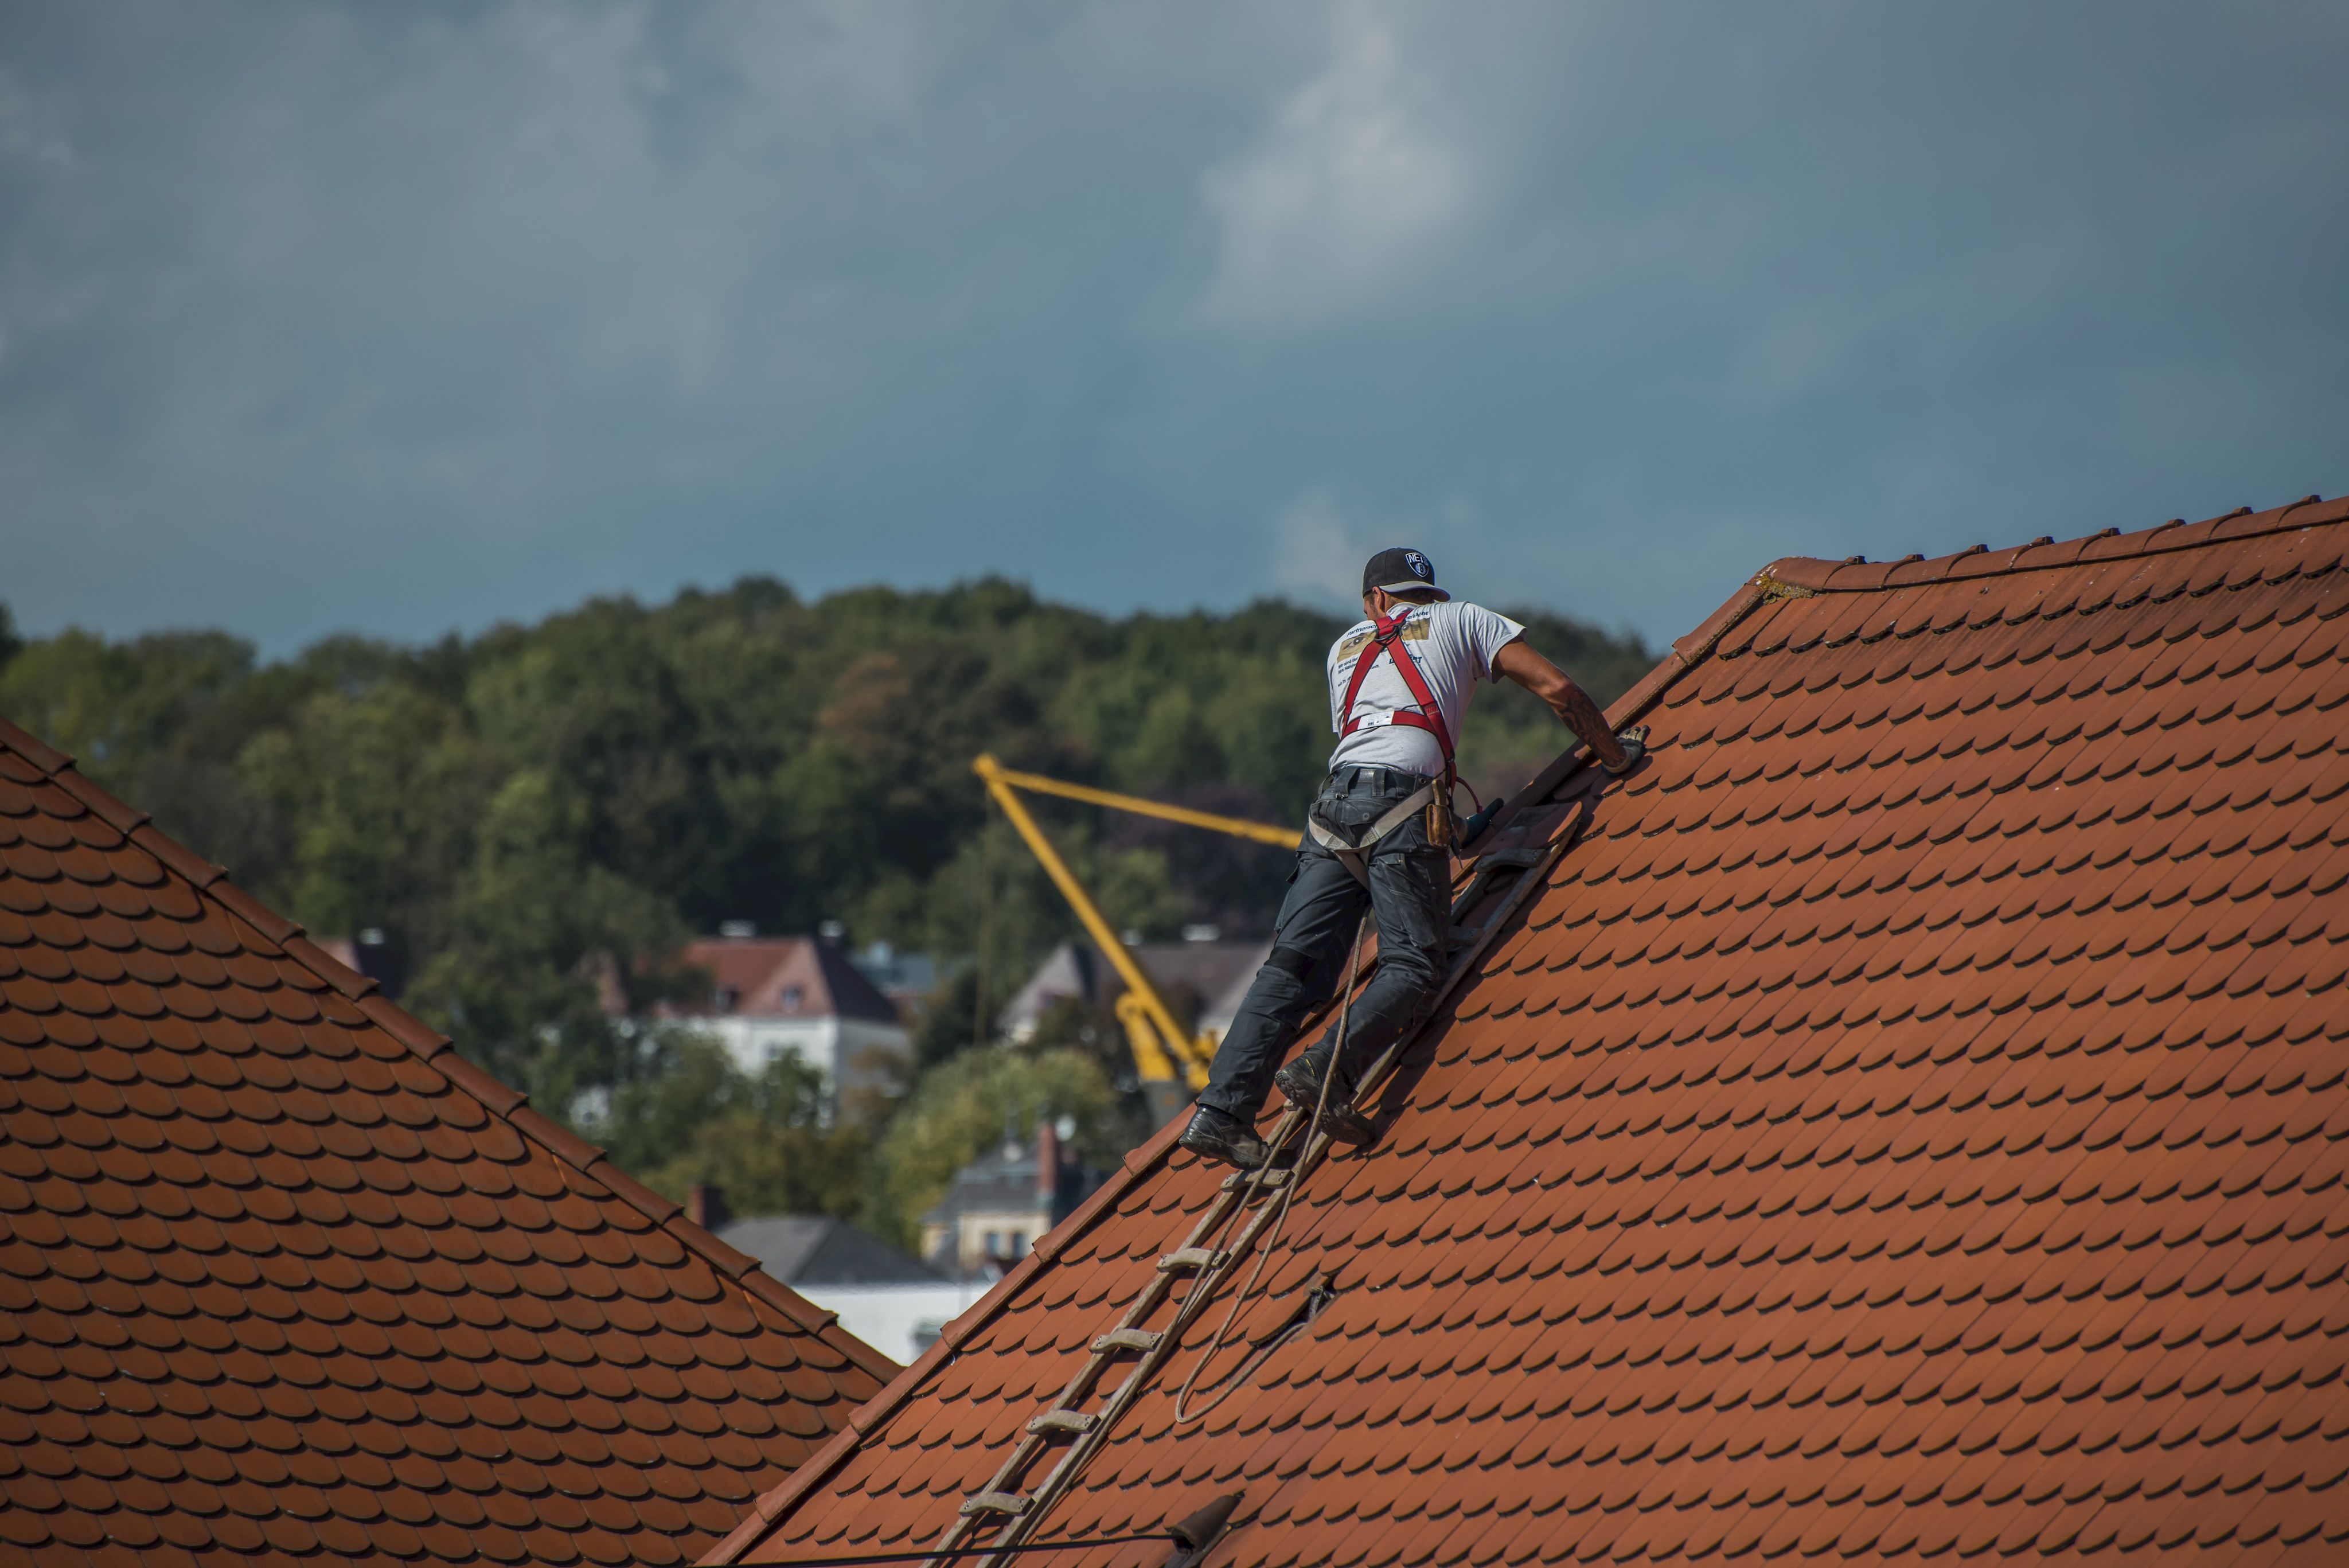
pixel 1463 935
pixel 1063 1421
pixel 1141 1339
pixel 1510 859
pixel 1189 1258
pixel 1005 1503
pixel 1274 1181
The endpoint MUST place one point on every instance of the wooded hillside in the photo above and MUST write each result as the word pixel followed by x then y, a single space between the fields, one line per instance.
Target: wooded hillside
pixel 520 811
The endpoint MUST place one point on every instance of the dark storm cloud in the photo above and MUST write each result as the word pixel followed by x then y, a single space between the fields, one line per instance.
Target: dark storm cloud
pixel 404 317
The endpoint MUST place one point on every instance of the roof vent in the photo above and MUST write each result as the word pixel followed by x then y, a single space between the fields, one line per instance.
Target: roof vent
pixel 1195 1533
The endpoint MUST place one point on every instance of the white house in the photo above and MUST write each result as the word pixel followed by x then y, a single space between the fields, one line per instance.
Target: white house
pixel 800 995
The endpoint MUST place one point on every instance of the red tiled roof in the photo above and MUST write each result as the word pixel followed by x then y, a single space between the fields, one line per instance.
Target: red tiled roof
pixel 786 976
pixel 1906 1122
pixel 283 1278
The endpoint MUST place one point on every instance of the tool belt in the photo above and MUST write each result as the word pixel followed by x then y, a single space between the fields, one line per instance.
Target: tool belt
pixel 1354 853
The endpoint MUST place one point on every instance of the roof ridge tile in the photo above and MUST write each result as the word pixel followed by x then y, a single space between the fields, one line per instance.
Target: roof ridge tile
pixel 330 969
pixel 552 1136
pixel 1817 574
pixel 403 1026
pixel 103 804
pixel 193 868
pixel 275 927
pixel 35 749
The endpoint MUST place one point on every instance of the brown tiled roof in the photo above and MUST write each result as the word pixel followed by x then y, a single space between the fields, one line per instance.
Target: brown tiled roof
pixel 283 1278
pixel 1905 1121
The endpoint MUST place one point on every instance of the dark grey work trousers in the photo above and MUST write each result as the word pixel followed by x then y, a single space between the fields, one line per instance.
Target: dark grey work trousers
pixel 1411 892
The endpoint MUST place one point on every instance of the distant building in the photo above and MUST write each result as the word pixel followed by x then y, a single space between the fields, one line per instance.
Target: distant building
pixel 907 979
pixel 1002 1202
pixel 800 995
pixel 1208 977
pixel 889 1300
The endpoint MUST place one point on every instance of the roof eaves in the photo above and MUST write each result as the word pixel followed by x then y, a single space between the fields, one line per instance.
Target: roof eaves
pixel 497 1099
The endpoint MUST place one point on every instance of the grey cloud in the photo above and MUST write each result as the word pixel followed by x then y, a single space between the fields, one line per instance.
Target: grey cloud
pixel 404 317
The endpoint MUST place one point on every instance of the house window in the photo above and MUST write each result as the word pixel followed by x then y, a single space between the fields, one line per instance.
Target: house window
pixel 725 999
pixel 993 1240
pixel 792 994
pixel 1019 1244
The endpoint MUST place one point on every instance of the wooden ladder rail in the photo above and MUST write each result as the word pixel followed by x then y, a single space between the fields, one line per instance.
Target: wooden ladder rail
pixel 1208 1266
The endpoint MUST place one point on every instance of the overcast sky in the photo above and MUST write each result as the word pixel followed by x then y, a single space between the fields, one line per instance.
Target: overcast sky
pixel 401 317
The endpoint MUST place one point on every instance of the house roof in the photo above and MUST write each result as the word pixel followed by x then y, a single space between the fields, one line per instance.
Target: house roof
pixel 817 1250
pixel 787 977
pixel 1208 970
pixel 1903 1120
pixel 285 1279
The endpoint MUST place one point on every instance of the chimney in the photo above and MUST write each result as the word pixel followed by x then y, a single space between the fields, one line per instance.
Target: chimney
pixel 706 1207
pixel 1048 1165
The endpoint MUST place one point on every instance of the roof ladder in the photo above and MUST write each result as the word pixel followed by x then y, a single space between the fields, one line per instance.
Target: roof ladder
pixel 1199 1261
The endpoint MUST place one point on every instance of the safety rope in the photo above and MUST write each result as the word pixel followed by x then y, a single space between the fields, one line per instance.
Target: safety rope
pixel 1287 1195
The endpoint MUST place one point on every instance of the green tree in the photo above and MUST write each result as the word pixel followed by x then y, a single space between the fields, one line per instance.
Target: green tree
pixel 972 1101
pixel 767 1141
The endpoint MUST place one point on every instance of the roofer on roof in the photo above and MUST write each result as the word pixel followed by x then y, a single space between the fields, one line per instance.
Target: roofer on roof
pixel 1379 834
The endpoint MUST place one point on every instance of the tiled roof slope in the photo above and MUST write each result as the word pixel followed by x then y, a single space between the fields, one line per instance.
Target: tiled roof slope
pixel 1907 1126
pixel 283 1280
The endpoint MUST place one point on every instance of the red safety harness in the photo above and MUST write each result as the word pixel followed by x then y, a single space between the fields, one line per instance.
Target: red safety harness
pixel 1436 794
pixel 1428 716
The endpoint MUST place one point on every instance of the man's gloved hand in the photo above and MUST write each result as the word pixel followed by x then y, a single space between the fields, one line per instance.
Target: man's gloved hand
pixel 1634 742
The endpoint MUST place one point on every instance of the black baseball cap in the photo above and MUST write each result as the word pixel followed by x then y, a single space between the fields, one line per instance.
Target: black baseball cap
pixel 1401 571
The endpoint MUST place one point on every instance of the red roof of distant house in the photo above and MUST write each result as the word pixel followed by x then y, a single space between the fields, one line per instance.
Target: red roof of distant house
pixel 283 1278
pixel 785 977
pixel 1907 1123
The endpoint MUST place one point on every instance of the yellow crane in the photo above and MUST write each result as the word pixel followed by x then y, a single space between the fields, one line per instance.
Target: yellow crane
pixel 1171 1060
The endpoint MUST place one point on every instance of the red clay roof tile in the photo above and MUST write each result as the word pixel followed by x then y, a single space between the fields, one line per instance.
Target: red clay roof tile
pixel 1944 1156
pixel 277 1276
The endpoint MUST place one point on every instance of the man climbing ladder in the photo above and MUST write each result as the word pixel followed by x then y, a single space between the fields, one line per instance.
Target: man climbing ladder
pixel 1379 835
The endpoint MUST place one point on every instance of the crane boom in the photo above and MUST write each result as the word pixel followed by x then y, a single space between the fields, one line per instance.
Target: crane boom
pixel 1238 826
pixel 1164 1053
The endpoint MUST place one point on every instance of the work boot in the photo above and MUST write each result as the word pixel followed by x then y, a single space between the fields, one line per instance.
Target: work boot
pixel 1224 1137
pixel 1344 1124
pixel 1300 1080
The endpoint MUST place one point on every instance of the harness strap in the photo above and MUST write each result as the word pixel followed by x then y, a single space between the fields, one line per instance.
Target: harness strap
pixel 1356 858
pixel 1429 717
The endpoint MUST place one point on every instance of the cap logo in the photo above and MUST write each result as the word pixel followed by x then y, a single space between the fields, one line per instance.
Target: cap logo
pixel 1419 566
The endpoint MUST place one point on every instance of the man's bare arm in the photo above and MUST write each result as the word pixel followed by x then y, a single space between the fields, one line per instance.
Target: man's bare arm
pixel 1569 702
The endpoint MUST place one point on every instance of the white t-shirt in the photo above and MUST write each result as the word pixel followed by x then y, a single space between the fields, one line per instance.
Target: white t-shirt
pixel 1453 645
